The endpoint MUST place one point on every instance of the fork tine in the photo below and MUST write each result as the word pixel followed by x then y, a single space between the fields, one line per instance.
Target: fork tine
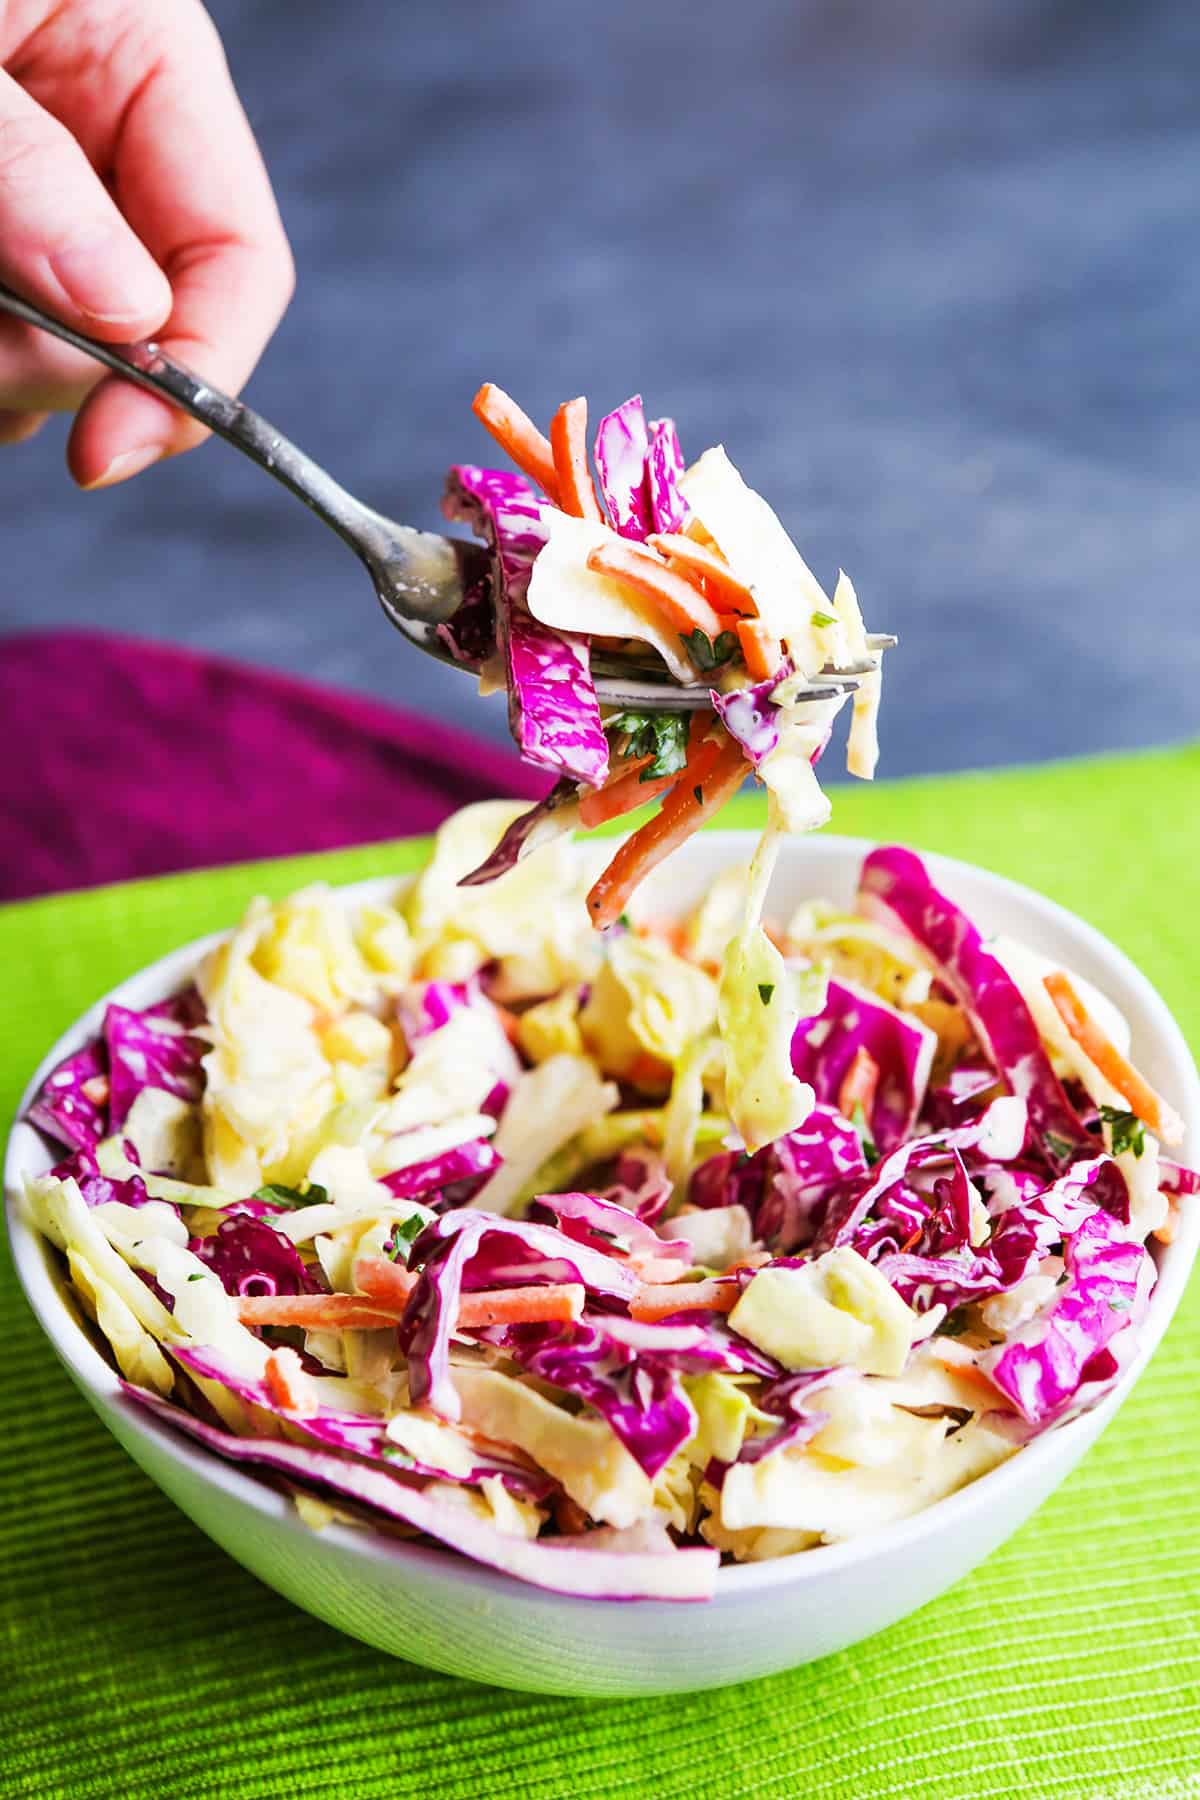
pixel 664 696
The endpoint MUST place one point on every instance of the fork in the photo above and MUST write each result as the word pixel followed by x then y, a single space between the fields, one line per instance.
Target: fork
pixel 420 577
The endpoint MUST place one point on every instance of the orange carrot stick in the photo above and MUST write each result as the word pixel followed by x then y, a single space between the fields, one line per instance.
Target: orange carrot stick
pixel 517 434
pixel 697 560
pixel 284 1378
pixel 376 1312
pixel 317 1312
pixel 622 793
pixel 568 440
pixel 381 1279
pixel 696 797
pixel 558 1303
pixel 682 605
pixel 859 1084
pixel 1101 1050
pixel 651 1303
pixel 761 652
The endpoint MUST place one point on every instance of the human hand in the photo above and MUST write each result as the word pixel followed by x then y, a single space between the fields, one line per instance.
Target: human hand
pixel 133 203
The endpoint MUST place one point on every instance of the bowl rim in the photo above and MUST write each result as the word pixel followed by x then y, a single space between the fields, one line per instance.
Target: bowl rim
pixel 101 1383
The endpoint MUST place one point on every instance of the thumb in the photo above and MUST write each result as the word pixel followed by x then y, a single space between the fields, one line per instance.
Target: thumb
pixel 62 241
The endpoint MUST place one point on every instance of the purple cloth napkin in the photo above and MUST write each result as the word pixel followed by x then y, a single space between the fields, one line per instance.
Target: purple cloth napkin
pixel 123 758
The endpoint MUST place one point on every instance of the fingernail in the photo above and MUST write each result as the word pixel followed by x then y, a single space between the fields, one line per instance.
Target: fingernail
pixel 129 462
pixel 103 281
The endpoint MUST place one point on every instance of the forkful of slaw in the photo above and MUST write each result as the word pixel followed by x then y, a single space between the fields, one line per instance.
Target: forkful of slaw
pixel 658 634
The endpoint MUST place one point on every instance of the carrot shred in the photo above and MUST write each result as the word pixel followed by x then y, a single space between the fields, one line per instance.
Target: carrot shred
pixel 517 434
pixel 859 1084
pixel 317 1312
pixel 682 605
pixel 761 653
pixel 712 776
pixel 698 562
pixel 655 1302
pixel 622 793
pixel 278 1378
pixel 568 442
pixel 1114 1067
pixel 387 1290
pixel 1165 1233
pixel 557 1303
pixel 381 1279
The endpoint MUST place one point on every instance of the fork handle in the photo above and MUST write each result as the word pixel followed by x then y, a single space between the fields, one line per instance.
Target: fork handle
pixel 150 367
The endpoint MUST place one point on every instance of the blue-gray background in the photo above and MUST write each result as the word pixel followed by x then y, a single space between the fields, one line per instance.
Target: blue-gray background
pixel 930 271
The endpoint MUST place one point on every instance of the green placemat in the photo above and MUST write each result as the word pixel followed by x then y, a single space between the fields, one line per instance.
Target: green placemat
pixel 138 1660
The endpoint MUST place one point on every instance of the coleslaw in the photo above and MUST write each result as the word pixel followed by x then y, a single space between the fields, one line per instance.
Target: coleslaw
pixel 461 1221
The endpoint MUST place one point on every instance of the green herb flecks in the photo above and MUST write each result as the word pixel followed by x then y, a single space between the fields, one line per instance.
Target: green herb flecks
pixel 402 1239
pixel 709 653
pixel 661 736
pixel 858 1119
pixel 821 619
pixel 1060 1148
pixel 309 1193
pixel 1128 1131
pixel 765 990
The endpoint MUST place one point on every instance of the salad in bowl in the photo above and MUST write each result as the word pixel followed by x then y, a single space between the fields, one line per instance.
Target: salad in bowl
pixel 432 1211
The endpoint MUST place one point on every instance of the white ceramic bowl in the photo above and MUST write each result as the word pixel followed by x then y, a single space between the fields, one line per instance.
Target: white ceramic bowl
pixel 432 1607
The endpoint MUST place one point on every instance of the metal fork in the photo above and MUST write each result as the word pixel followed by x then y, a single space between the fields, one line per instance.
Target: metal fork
pixel 420 577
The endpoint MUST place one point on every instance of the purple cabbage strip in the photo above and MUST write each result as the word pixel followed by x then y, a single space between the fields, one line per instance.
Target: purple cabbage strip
pixel 622 447
pixel 150 1049
pixel 664 472
pixel 1022 1236
pixel 249 1257
pixel 1042 1368
pixel 554 715
pixel 896 887
pixel 1177 1179
pixel 749 715
pixel 641 1185
pixel 823 1049
pixel 787 1185
pixel 563 1566
pixel 637 1395
pixel 468 1165
pixel 551 818
pixel 605 1226
pixel 63 1110
pixel 98 1189
pixel 474 1250
pixel 1002 1121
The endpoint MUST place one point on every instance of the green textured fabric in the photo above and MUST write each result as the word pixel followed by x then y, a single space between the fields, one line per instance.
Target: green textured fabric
pixel 138 1660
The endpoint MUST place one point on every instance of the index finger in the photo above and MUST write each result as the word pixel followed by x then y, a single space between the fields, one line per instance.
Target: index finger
pixel 189 178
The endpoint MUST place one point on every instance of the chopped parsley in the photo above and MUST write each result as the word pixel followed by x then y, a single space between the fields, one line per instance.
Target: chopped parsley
pixel 821 619
pixel 858 1119
pixel 311 1193
pixel 1060 1148
pixel 953 1325
pixel 709 653
pixel 195 1276
pixel 1128 1131
pixel 402 1239
pixel 661 736
pixel 699 793
pixel 765 990
pixel 626 921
